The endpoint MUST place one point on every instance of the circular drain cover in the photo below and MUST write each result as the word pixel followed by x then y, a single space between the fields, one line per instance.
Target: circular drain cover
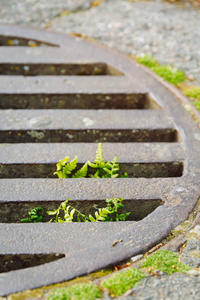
pixel 60 96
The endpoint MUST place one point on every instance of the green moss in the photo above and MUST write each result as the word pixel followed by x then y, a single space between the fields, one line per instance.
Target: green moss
pixel 193 92
pixel 197 104
pixel 167 72
pixel 81 291
pixel 121 282
pixel 147 60
pixel 165 261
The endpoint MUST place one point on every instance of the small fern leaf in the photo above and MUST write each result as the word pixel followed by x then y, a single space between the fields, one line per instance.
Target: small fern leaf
pixel 60 174
pixel 92 165
pixel 96 175
pixel 99 156
pixel 111 168
pixel 70 166
pixel 82 173
pixel 59 168
pixel 91 218
pixel 72 213
pixel 64 161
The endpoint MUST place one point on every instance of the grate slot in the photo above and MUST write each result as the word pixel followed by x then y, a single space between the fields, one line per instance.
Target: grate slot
pixel 25 126
pixel 20 209
pixel 136 170
pixel 78 101
pixel 167 135
pixel 10 262
pixel 18 41
pixel 34 69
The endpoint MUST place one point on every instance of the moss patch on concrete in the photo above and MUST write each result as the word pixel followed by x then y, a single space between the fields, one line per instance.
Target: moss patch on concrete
pixel 80 291
pixel 119 283
pixel 167 72
pixel 38 293
pixel 165 261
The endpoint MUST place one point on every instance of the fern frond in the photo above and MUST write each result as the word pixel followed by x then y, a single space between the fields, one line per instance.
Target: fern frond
pixel 92 165
pixel 99 156
pixel 82 173
pixel 112 168
pixel 69 167
pixel 96 175
pixel 59 168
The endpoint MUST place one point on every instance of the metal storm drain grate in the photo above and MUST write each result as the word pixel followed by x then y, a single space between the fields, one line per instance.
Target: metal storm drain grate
pixel 60 98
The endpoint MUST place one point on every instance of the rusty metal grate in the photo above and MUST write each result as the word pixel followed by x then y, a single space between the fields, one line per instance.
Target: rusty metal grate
pixel 99 96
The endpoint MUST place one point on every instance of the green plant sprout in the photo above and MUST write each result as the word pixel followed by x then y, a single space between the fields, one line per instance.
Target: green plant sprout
pixel 167 72
pixel 35 215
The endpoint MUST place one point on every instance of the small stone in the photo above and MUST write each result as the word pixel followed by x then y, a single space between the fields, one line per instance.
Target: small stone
pixel 137 257
pixel 193 272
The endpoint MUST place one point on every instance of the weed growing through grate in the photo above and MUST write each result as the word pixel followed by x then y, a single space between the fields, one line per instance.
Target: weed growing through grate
pixel 81 291
pixel 71 214
pixel 67 213
pixel 167 72
pixel 35 215
pixel 66 169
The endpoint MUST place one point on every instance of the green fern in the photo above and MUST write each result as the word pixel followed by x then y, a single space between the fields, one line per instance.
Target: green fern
pixel 103 169
pixel 69 167
pixel 66 213
pixel 100 215
pixel 112 168
pixel 99 160
pixel 69 213
pixel 35 215
pixel 65 168
pixel 82 173
pixel 59 167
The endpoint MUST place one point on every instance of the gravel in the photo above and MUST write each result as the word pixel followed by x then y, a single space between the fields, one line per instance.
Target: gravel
pixel 175 287
pixel 167 31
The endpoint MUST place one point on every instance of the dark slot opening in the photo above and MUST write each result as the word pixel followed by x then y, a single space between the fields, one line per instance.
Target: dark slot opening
pixel 78 101
pixel 89 136
pixel 18 41
pixel 134 170
pixel 12 262
pixel 13 212
pixel 58 69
